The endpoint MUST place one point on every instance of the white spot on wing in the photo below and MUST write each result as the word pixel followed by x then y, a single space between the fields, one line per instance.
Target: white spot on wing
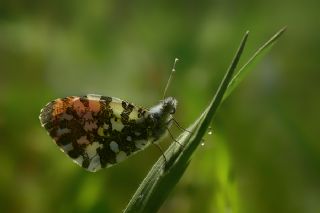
pixel 79 160
pixel 116 100
pixel 116 106
pixel 94 97
pixel 105 126
pixel 67 147
pixel 121 156
pixel 140 144
pixel 91 149
pixel 94 164
pixel 116 125
pixel 114 147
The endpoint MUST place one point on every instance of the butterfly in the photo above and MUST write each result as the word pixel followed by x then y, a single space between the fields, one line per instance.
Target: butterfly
pixel 99 131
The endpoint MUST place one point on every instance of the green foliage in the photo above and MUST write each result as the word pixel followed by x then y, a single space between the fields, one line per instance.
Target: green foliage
pixel 256 57
pixel 165 175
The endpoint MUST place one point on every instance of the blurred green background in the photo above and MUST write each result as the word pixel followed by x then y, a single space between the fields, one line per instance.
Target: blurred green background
pixel 264 155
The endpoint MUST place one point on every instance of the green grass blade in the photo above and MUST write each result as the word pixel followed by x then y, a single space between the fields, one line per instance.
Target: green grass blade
pixel 255 58
pixel 163 176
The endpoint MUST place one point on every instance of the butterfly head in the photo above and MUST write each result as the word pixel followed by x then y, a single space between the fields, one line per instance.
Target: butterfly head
pixel 169 105
pixel 161 116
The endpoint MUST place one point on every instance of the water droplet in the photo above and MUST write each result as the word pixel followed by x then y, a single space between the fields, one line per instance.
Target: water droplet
pixel 202 144
pixel 210 130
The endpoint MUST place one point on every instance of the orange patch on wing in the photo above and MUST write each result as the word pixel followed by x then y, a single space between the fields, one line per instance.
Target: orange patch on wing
pixel 94 106
pixel 58 107
pixel 78 106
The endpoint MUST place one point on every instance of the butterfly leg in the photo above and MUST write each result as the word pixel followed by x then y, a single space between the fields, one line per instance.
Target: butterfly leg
pixel 178 125
pixel 174 138
pixel 159 147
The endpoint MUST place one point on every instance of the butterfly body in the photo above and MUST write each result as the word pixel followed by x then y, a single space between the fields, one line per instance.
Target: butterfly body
pixel 99 131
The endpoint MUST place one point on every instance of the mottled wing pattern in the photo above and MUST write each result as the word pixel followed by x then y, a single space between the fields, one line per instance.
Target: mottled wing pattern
pixel 96 131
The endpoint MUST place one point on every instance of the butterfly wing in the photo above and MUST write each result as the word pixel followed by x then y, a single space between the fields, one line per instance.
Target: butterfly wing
pixel 95 131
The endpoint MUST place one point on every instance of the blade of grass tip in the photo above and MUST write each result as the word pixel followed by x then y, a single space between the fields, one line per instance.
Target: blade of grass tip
pixel 245 69
pixel 161 179
pixel 217 99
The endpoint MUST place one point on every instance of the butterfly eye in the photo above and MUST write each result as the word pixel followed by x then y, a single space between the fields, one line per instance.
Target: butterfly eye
pixel 173 111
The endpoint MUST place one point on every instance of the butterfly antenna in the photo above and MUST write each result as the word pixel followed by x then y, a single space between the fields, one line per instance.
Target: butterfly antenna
pixel 170 77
